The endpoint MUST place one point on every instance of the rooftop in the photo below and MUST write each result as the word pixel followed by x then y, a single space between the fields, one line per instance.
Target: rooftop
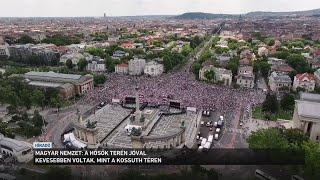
pixel 309 109
pixel 280 77
pixel 14 144
pixel 310 97
pixel 305 77
pixel 54 75
pixel 45 84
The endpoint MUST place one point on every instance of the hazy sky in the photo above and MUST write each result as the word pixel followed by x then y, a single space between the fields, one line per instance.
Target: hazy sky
pixel 27 8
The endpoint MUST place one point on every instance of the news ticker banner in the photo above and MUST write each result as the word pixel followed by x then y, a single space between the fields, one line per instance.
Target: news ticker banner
pixel 168 157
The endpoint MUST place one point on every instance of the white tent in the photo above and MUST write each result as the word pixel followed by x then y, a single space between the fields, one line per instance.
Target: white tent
pixel 70 137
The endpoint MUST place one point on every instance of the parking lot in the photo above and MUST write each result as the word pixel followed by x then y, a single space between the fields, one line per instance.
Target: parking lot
pixel 208 127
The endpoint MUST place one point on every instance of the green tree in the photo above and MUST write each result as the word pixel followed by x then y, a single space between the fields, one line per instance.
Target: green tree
pixel 270 41
pixel 56 102
pixel 82 64
pixel 195 42
pixel 62 40
pixel 171 60
pixel 69 64
pixel 263 67
pixel 25 97
pixel 99 79
pixel 297 62
pixel 38 98
pixel 287 102
pixel 295 137
pixel 282 54
pixel 276 138
pixel 96 52
pixel 157 43
pixel 271 104
pixel 312 150
pixel 110 65
pixel 267 139
pixel 5 131
pixel 37 119
pixel 196 68
pixel 186 50
pixel 233 65
pixel 206 55
pixel 25 39
pixel 210 75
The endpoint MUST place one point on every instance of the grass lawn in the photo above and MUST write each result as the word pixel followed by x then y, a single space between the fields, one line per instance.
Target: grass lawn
pixel 287 115
pixel 257 113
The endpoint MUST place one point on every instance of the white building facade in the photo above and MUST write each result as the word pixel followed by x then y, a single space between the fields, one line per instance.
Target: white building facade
pixel 305 81
pixel 136 66
pixel 153 68
pixel 96 66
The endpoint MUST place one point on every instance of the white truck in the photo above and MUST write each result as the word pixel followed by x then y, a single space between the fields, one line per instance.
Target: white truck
pixel 210 138
pixel 207 146
pixel 203 141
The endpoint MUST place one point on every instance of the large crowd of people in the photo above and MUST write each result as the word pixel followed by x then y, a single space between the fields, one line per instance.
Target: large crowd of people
pixel 179 85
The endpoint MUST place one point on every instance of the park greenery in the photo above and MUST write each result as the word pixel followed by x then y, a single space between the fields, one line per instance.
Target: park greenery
pixel 25 39
pixel 19 99
pixel 233 65
pixel 272 109
pixel 100 36
pixel 99 79
pixel 262 66
pixel 33 60
pixel 289 139
pixel 210 75
pixel 82 64
pixel 22 123
pixel 29 126
pixel 62 40
pixel 16 92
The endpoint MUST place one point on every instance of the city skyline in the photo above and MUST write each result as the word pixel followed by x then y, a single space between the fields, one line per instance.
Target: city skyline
pixel 80 8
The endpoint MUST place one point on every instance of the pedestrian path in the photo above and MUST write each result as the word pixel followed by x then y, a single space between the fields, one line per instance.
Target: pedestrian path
pixel 234 130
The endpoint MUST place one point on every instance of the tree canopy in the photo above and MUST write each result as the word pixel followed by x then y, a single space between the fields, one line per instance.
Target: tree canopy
pixel 62 40
pixel 82 64
pixel 276 138
pixel 25 39
pixel 287 102
pixel 210 75
pixel 271 104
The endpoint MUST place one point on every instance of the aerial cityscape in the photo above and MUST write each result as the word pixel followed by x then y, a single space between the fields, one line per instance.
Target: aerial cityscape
pixel 163 79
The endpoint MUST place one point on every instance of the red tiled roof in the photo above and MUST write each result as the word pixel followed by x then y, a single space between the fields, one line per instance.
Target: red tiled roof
pixel 305 76
pixel 283 68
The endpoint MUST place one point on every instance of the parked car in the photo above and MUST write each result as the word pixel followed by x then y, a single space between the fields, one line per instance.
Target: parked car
pixel 216 136
pixel 215 124
pixel 218 130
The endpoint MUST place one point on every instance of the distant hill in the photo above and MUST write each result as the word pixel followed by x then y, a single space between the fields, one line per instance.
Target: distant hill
pixel 200 15
pixel 314 12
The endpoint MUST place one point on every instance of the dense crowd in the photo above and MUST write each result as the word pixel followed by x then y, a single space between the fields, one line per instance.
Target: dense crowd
pixel 180 86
